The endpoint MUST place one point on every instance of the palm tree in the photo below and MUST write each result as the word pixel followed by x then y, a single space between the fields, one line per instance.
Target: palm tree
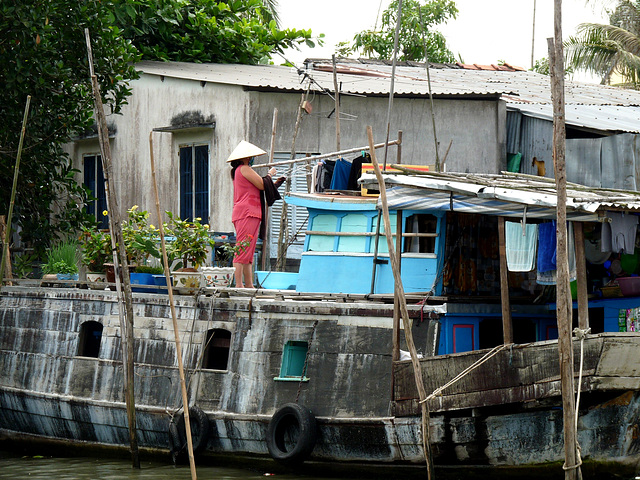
pixel 607 49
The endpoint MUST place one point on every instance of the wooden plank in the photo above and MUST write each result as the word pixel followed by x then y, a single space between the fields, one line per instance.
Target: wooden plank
pixel 507 327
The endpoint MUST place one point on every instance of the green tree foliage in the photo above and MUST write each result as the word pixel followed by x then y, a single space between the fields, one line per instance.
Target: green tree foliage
pixel 607 49
pixel 238 31
pixel 43 54
pixel 379 43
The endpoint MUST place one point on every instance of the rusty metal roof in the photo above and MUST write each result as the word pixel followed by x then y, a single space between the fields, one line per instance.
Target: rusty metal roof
pixel 514 85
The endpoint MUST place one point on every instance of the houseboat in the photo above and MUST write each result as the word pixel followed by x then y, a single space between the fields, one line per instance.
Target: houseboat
pixel 308 374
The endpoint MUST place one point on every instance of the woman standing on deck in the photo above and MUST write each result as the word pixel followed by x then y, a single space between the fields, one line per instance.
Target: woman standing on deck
pixel 247 214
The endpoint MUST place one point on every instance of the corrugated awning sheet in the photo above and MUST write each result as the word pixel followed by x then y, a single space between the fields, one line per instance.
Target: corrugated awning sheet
pixel 504 195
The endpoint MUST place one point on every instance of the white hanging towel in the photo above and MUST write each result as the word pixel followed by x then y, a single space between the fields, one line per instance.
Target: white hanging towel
pixel 521 246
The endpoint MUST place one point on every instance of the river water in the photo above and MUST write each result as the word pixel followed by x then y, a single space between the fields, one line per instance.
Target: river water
pixel 39 467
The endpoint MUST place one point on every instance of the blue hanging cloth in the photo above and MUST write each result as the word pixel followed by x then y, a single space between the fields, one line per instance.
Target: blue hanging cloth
pixel 547 246
pixel 341 171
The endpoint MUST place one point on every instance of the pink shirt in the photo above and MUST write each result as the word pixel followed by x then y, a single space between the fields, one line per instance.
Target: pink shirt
pixel 246 198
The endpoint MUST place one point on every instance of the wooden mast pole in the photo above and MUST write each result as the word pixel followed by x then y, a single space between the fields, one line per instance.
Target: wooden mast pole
pixel 337 101
pixel 7 232
pixel 417 369
pixel 564 306
pixel 121 267
pixel 172 306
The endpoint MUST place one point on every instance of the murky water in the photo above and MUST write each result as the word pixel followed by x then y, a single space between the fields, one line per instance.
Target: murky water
pixel 41 467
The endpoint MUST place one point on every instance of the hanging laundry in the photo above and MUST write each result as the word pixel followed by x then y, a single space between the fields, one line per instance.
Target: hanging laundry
pixel 325 175
pixel 619 235
pixel 356 170
pixel 547 247
pixel 314 179
pixel 550 277
pixel 341 172
pixel 521 249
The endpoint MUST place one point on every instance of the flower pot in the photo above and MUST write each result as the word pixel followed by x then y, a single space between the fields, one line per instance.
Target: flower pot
pixel 161 281
pixel 67 276
pixel 186 282
pixel 142 279
pixel 218 276
pixel 95 280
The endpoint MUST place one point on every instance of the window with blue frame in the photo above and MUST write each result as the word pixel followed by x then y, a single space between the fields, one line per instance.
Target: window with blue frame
pixel 94 182
pixel 294 356
pixel 194 182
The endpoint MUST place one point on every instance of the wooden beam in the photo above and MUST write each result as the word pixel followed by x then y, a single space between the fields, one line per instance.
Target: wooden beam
pixel 581 273
pixel 507 326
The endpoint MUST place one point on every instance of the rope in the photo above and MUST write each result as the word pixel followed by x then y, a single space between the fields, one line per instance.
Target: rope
pixel 306 360
pixel 581 334
pixel 466 371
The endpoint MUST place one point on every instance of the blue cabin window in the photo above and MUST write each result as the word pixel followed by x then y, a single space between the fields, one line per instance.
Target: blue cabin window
pixel 323 223
pixel 294 356
pixel 382 241
pixel 194 182
pixel 353 222
pixel 94 182
pixel 89 339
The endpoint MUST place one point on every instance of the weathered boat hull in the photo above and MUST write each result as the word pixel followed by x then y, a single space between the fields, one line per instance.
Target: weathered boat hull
pixel 365 408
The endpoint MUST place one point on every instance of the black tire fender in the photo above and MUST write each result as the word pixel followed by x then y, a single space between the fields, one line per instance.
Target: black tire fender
pixel 199 432
pixel 291 434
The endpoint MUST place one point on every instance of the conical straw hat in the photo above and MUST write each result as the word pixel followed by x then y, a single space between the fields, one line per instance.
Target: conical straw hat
pixel 245 150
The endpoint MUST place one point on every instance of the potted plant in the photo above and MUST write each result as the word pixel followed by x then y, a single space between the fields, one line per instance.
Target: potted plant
pixel 96 253
pixel 140 243
pixel 62 261
pixel 189 249
pixel 219 276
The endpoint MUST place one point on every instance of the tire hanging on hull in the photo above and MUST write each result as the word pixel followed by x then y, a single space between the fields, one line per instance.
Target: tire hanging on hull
pixel 292 434
pixel 178 434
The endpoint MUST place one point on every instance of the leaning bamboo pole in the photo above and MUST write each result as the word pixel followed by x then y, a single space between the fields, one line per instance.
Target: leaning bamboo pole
pixel 395 268
pixel 172 306
pixel 266 241
pixel 121 267
pixel 564 304
pixel 7 235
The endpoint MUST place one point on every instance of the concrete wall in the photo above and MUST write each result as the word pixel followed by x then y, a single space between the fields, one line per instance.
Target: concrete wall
pixel 475 128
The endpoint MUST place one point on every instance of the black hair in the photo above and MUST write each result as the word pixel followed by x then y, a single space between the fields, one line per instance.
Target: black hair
pixel 234 166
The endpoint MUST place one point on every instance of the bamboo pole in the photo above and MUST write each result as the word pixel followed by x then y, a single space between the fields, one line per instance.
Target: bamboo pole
pixel 313 158
pixel 266 242
pixel 417 369
pixel 564 306
pixel 282 244
pixel 172 306
pixel 7 235
pixel 5 252
pixel 507 324
pixel 337 101
pixel 123 285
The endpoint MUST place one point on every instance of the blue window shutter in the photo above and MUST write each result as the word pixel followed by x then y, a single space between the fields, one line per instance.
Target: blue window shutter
pixel 90 181
pixel 103 222
pixel 201 167
pixel 186 182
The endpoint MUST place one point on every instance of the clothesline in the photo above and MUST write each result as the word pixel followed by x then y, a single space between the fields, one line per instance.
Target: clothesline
pixel 326 155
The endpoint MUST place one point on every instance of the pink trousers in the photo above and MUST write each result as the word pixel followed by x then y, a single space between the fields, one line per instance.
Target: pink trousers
pixel 246 228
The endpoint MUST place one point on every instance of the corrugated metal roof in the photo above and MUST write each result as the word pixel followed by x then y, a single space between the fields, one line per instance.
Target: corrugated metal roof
pixel 505 194
pixel 369 78
pixel 611 118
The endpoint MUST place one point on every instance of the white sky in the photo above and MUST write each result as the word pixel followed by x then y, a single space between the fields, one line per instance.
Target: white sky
pixel 485 31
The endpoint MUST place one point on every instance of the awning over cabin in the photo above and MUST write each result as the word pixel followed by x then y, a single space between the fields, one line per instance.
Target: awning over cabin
pixel 509 195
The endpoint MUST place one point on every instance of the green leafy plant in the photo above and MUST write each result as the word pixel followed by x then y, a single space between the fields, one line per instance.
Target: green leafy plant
pixel 140 238
pixel 149 269
pixel 96 249
pixel 191 242
pixel 227 251
pixel 62 258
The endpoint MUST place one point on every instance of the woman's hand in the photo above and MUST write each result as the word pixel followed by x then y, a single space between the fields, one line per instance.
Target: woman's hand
pixel 272 171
